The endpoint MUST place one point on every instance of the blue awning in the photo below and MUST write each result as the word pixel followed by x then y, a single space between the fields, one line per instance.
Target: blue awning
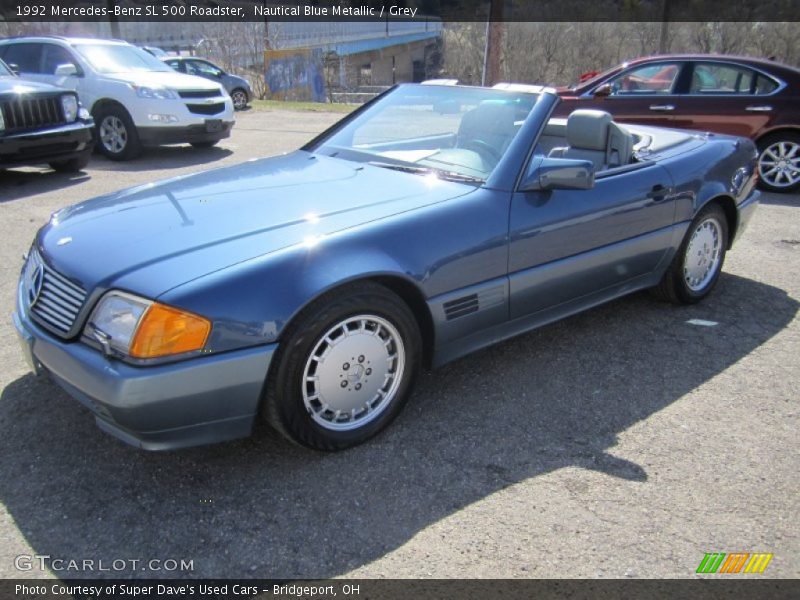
pixel 347 48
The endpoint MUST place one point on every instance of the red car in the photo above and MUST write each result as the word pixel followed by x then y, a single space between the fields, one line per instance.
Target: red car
pixel 750 97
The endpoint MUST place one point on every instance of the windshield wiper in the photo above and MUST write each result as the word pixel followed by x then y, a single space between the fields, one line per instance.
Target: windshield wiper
pixel 441 174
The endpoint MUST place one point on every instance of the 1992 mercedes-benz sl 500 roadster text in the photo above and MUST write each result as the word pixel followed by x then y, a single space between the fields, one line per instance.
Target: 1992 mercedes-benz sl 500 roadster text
pixel 309 289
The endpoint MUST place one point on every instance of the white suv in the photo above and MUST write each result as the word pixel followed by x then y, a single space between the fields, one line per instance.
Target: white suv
pixel 136 99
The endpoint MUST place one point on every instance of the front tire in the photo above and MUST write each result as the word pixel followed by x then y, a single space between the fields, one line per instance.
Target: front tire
pixel 695 269
pixel 779 162
pixel 72 165
pixel 345 368
pixel 117 137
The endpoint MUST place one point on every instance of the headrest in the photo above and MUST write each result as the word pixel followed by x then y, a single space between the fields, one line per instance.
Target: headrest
pixel 588 129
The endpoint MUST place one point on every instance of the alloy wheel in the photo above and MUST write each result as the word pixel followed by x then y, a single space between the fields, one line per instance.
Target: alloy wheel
pixel 779 164
pixel 353 372
pixel 703 254
pixel 113 134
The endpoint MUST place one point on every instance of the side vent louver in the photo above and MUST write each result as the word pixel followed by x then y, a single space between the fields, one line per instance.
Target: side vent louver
pixel 460 307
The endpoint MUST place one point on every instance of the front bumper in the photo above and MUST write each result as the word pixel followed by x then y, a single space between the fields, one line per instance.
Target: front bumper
pixel 745 210
pixel 156 136
pixel 199 401
pixel 59 143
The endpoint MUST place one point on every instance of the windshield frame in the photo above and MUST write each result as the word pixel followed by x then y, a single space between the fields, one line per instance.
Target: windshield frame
pixel 327 139
pixel 147 59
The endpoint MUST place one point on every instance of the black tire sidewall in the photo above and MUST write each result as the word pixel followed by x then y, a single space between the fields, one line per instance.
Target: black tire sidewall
pixel 246 98
pixel 683 291
pixel 284 392
pixel 765 143
pixel 72 165
pixel 132 147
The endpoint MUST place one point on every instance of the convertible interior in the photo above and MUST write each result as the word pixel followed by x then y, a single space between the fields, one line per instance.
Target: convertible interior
pixel 486 131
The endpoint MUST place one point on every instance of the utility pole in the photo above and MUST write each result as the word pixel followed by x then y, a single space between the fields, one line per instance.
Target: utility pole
pixel 494 44
pixel 112 20
pixel 663 37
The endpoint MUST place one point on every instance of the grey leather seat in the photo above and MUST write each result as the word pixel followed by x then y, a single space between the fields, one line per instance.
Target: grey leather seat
pixel 592 135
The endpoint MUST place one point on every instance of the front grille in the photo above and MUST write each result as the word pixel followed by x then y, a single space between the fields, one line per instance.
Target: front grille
pixel 199 93
pixel 206 109
pixel 52 298
pixel 25 112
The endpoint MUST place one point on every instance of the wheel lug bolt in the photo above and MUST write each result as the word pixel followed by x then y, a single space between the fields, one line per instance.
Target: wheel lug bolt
pixel 344 384
pixel 345 366
pixel 361 358
pixel 358 386
pixel 369 371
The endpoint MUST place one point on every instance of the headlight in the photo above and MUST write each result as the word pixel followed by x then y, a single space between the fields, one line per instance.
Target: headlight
pixel 141 328
pixel 154 93
pixel 70 105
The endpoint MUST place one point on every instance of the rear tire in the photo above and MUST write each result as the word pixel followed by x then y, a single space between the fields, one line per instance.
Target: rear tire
pixel 240 99
pixel 695 269
pixel 117 137
pixel 333 382
pixel 779 162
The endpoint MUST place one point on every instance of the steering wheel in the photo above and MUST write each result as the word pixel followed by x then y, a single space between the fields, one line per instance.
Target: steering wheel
pixel 484 149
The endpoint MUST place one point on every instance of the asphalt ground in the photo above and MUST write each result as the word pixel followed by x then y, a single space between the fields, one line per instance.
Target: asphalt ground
pixel 622 442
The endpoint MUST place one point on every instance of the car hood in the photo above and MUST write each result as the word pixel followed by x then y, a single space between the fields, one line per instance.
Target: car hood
pixel 152 238
pixel 16 85
pixel 170 79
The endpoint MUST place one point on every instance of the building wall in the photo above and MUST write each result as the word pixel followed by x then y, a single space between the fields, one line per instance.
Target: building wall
pixel 294 75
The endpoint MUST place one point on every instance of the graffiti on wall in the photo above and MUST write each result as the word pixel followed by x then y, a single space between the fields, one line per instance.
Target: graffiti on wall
pixel 295 74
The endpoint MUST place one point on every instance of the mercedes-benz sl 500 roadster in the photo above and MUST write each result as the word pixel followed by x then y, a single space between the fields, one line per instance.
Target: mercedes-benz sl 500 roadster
pixel 309 289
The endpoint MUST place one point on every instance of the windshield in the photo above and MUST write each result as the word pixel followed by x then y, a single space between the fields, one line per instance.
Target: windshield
pixel 4 70
pixel 113 58
pixel 458 133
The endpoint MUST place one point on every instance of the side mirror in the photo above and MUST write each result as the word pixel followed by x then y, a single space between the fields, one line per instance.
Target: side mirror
pixel 66 70
pixel 601 91
pixel 14 68
pixel 560 174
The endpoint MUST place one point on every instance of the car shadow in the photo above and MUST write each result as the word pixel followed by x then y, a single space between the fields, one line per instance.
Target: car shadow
pixel 162 157
pixel 22 183
pixel 774 199
pixel 557 397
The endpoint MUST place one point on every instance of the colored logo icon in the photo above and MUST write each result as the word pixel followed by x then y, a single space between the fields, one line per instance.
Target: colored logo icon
pixel 735 562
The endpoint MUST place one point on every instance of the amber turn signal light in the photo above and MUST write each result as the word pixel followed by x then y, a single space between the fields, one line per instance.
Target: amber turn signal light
pixel 164 330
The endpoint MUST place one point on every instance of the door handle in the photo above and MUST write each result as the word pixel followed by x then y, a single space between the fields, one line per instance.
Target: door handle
pixel 761 108
pixel 659 192
pixel 662 107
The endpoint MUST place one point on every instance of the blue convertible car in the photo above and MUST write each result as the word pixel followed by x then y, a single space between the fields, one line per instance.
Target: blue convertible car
pixel 309 289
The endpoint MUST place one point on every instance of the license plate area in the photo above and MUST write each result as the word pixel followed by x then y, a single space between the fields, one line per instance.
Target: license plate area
pixel 213 125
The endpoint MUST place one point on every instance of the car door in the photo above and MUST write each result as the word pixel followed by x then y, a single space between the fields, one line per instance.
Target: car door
pixel 25 58
pixel 202 68
pixel 642 94
pixel 176 64
pixel 53 56
pixel 725 98
pixel 568 244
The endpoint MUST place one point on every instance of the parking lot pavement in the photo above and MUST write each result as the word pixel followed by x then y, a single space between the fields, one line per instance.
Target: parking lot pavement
pixel 623 442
